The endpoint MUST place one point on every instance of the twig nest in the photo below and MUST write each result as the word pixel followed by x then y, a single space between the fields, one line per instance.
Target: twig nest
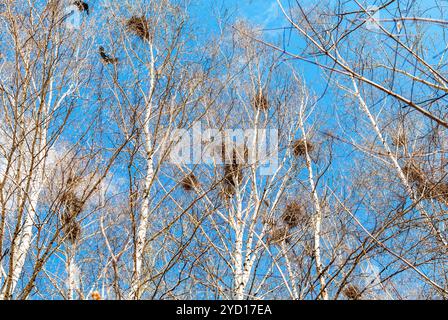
pixel 352 292
pixel 399 139
pixel 233 171
pixel 139 26
pixel 425 186
pixel 301 147
pixel 414 173
pixel 294 214
pixel 72 207
pixel 189 182
pixel 435 191
pixel 260 101
pixel 442 190
pixel 278 235
pixel 233 176
pixel 72 230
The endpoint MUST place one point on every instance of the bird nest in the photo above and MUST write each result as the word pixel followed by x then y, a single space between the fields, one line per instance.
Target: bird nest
pixel 414 173
pixel 278 235
pixel 139 26
pixel 294 214
pixel 71 228
pixel 233 171
pixel 352 292
pixel 434 191
pixel 260 101
pixel 301 147
pixel 425 187
pixel 189 182
pixel 399 139
pixel 72 207
pixel 233 176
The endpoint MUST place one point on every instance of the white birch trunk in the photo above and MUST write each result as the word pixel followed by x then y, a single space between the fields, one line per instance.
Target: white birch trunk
pixel 26 233
pixel 239 284
pixel 292 277
pixel 72 276
pixel 25 238
pixel 145 209
pixel 317 218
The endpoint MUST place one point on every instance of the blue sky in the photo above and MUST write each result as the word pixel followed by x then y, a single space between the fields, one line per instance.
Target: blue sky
pixel 266 15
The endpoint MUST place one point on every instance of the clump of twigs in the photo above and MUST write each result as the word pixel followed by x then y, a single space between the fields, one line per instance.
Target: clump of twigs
pixel 189 182
pixel 233 172
pixel 426 188
pixel 71 227
pixel 233 176
pixel 278 235
pixel 139 26
pixel 441 190
pixel 431 190
pixel 352 292
pixel 294 214
pixel 399 139
pixel 301 147
pixel 414 173
pixel 269 221
pixel 260 101
pixel 73 206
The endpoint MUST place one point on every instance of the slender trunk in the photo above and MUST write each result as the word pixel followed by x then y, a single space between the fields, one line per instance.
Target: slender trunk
pixel 142 229
pixel 72 275
pixel 239 283
pixel 290 269
pixel 26 232
pixel 25 238
pixel 317 217
pixel 243 269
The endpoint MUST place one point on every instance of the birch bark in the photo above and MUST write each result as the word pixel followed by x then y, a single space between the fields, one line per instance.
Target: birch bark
pixel 317 217
pixel 142 229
